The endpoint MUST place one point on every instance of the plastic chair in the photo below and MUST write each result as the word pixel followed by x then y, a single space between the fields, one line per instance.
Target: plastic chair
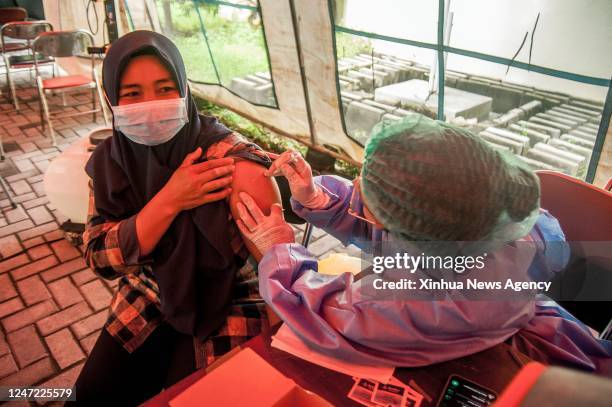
pixel 62 44
pixel 26 31
pixel 585 214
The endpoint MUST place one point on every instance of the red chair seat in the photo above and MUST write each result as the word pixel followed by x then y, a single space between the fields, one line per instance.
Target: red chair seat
pixel 66 82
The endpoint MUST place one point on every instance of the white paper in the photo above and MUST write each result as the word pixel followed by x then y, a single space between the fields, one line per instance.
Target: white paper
pixel 287 341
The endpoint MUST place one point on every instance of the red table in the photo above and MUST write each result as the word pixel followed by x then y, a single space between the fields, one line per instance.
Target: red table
pixel 493 368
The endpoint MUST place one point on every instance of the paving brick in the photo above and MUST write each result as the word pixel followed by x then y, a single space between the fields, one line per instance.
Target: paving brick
pixel 34 267
pixel 7 290
pixel 33 290
pixel 11 306
pixel 63 318
pixel 91 324
pixel 28 315
pixel 7 365
pixel 13 262
pixel 65 292
pixel 15 215
pixel 64 269
pixel 37 231
pixel 30 375
pixel 323 245
pixel 83 277
pixel 64 250
pixel 53 235
pixel 65 379
pixel 89 341
pixel 9 246
pixel 40 215
pixel 4 348
pixel 20 187
pixel 16 228
pixel 35 241
pixel 96 294
pixel 64 348
pixel 27 346
pixel 39 251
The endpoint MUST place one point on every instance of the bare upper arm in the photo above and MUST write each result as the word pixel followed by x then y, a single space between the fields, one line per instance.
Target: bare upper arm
pixel 249 178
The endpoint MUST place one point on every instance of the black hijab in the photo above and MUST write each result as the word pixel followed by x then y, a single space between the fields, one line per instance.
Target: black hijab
pixel 193 263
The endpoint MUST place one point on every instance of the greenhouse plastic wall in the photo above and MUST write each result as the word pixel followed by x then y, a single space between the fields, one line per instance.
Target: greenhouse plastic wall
pixel 222 42
pixel 536 112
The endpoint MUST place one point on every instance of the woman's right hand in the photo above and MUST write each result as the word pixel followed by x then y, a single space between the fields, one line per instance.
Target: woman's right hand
pixel 193 185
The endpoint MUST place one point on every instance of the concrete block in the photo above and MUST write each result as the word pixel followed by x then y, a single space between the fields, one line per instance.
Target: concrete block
pixel 515 146
pixel 354 82
pixel 538 165
pixel 360 119
pixel 567 166
pixel 264 75
pixel 578 109
pixel 365 81
pixel 402 112
pixel 573 148
pixel 457 102
pixel 380 78
pixel 565 116
pixel 552 131
pixel 523 140
pixel 557 119
pixel 592 106
pixel 510 117
pixel 264 95
pixel 505 98
pixel 383 106
pixel 550 123
pixel 583 135
pixel 568 155
pixel 472 86
pixel 391 117
pixel 243 87
pixel 531 108
pixel 578 141
pixel 570 113
pixel 257 79
pixel 498 146
pixel 534 135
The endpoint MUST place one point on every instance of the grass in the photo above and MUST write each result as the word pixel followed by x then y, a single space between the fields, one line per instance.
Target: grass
pixel 238 48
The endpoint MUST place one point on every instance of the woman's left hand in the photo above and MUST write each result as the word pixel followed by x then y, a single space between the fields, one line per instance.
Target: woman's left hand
pixel 263 231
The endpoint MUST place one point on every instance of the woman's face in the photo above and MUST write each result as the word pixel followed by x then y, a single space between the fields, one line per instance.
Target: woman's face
pixel 145 79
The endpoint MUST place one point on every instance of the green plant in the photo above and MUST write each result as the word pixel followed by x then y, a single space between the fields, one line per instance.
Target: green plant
pixel 263 138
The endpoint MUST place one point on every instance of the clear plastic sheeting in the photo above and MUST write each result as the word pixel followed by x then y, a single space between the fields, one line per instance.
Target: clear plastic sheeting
pixel 221 42
pixel 567 35
pixel 546 129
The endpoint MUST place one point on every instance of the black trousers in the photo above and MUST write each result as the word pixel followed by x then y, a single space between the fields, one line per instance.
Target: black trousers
pixel 113 376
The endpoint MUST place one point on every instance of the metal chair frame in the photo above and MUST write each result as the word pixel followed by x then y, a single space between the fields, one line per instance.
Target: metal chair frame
pixel 60 44
pixel 22 30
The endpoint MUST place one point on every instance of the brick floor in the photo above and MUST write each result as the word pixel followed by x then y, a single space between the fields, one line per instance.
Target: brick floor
pixel 52 306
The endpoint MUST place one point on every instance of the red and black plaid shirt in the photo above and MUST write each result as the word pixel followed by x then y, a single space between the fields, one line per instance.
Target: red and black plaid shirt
pixel 135 308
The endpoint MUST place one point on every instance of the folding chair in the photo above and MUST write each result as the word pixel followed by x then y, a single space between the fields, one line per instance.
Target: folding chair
pixel 10 14
pixel 25 31
pixel 63 44
pixel 585 214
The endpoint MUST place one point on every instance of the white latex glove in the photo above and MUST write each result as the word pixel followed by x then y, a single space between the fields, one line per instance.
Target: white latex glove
pixel 292 166
pixel 263 231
